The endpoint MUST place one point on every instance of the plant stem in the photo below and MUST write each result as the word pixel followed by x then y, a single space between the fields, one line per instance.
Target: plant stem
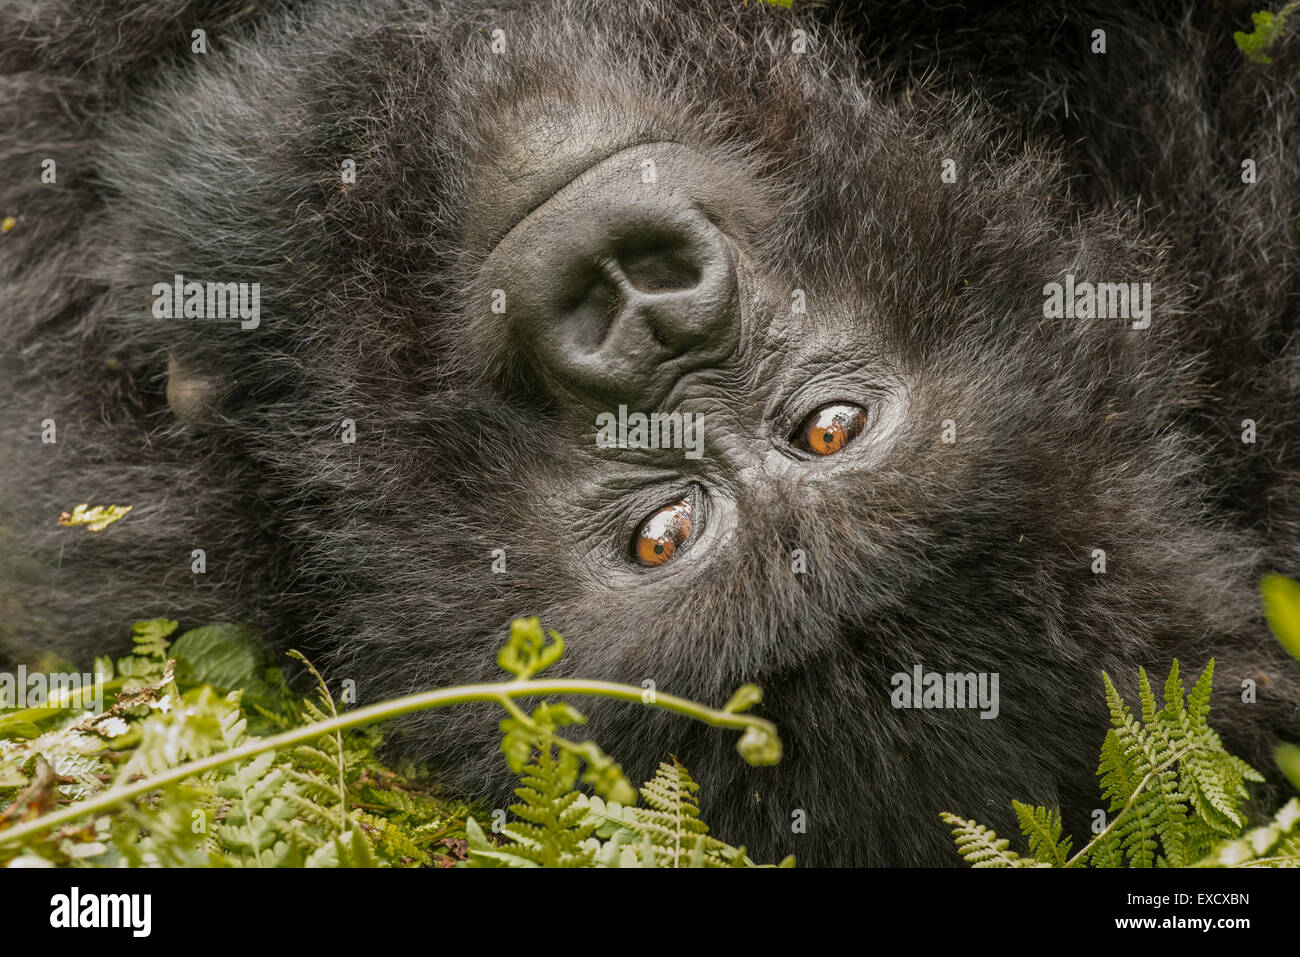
pixel 502 692
pixel 1087 849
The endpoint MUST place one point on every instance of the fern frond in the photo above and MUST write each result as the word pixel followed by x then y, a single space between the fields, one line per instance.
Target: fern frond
pixel 672 823
pixel 673 816
pixel 981 847
pixel 552 825
pixel 1042 828
pixel 149 638
pixel 1174 792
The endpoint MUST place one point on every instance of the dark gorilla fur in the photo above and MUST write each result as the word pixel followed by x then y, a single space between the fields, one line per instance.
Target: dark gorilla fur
pixel 924 297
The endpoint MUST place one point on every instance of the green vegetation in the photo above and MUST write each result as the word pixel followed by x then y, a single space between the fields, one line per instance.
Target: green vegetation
pixel 1175 794
pixel 1267 30
pixel 206 758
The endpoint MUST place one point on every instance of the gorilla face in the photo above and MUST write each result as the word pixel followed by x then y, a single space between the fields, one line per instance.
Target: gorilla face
pixel 898 453
pixel 895 460
pixel 636 287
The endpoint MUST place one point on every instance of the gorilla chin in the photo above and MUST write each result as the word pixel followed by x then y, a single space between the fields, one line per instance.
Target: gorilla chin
pixel 722 228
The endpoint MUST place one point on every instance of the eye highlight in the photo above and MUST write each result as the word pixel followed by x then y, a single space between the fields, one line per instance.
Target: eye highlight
pixel 831 428
pixel 662 533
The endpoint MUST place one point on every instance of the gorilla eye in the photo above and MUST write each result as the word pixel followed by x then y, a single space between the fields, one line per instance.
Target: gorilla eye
pixel 661 534
pixel 831 428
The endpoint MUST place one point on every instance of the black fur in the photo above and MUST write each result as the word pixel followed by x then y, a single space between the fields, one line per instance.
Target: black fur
pixel 973 556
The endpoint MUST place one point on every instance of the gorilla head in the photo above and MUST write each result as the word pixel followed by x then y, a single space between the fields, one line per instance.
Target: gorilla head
pixel 483 240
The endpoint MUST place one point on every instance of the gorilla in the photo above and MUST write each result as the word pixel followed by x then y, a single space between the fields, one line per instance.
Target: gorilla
pixel 818 348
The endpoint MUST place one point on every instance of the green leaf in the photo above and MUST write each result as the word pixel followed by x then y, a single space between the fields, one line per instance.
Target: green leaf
pixel 759 747
pixel 527 652
pixel 475 837
pixel 557 714
pixel 605 775
pixel 1282 609
pixel 979 846
pixel 228 657
pixel 103 670
pixel 1042 827
pixel 150 637
pixel 746 697
pixel 1287 757
pixel 1268 28
pixel 16 726
pixel 516 743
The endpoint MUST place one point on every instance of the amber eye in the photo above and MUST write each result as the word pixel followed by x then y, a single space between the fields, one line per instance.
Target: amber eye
pixel 831 428
pixel 661 534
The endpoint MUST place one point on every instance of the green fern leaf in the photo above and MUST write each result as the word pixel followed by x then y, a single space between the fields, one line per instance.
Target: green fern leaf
pixel 981 847
pixel 1042 828
pixel 150 637
pixel 1174 792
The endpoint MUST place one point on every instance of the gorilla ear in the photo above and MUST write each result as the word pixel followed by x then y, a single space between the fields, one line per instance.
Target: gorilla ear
pixel 194 399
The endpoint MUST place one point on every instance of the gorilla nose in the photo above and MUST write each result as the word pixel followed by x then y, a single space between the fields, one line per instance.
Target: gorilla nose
pixel 621 283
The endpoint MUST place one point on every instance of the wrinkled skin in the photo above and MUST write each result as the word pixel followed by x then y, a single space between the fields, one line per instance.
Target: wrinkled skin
pixel 781 178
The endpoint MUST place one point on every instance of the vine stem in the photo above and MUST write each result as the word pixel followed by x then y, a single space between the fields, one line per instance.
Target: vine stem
pixel 502 692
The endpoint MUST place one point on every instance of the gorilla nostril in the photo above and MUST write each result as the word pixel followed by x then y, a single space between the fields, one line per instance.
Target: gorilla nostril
pixel 660 265
pixel 591 312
